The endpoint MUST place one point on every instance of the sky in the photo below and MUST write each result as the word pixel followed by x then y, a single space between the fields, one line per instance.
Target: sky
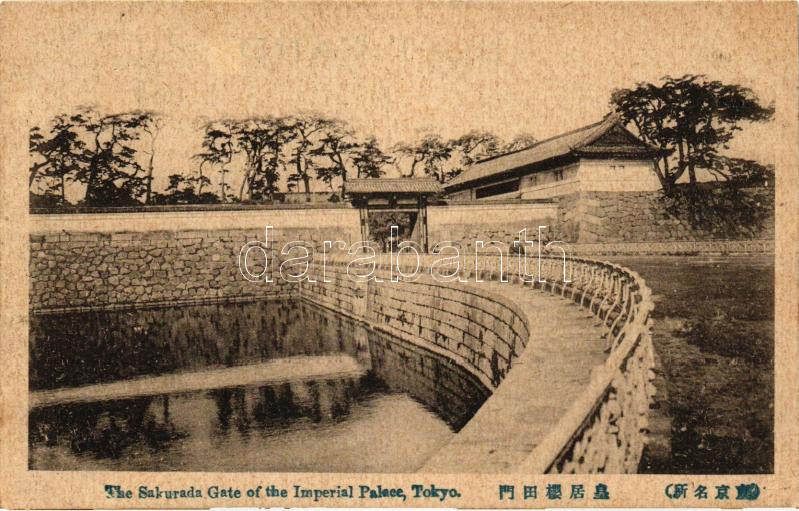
pixel 391 70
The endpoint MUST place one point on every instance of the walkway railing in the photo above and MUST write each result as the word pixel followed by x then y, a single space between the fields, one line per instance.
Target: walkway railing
pixel 605 430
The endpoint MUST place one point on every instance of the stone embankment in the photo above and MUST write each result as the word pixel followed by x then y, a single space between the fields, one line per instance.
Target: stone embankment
pixel 571 363
pixel 526 342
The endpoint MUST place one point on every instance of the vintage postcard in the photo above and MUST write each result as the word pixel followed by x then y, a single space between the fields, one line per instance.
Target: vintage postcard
pixel 399 254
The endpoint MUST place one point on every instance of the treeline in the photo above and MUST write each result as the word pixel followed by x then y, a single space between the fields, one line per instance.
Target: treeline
pixel 111 158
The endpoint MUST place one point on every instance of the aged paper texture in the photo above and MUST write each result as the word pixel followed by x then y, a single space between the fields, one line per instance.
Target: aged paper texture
pixel 352 254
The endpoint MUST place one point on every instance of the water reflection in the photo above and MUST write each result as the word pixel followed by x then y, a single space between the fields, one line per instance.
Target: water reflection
pixel 105 429
pixel 401 411
pixel 78 349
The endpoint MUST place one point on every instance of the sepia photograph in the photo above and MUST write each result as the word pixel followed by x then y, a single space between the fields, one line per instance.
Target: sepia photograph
pixel 502 240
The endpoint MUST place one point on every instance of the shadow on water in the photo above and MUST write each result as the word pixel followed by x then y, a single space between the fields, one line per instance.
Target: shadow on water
pixel 405 406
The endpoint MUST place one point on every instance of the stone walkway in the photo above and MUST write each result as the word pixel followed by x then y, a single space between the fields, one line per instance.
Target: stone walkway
pixel 565 344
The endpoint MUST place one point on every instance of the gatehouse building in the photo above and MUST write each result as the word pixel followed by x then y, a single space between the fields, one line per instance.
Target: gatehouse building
pixel 600 157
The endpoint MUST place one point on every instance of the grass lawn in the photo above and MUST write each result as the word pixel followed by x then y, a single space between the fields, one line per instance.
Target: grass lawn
pixel 714 334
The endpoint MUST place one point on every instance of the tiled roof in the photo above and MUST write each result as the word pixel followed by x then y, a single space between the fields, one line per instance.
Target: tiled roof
pixel 566 143
pixel 393 185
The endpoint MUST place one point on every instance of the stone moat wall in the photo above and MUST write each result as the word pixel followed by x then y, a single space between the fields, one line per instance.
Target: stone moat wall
pixel 471 326
pixel 619 217
pixel 649 217
pixel 85 270
pixel 83 263
pixel 118 260
pixel 450 328
pixel 150 266
pixel 452 391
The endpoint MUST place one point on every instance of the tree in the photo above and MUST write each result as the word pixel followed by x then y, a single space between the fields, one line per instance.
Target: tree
pixel 690 117
pixel 113 176
pixel 369 159
pixel 740 172
pixel 519 142
pixel 338 145
pixel 218 151
pixel 307 129
pixel 431 152
pixel 151 124
pixel 184 189
pixel 55 158
pixel 96 150
pixel 262 140
pixel 472 147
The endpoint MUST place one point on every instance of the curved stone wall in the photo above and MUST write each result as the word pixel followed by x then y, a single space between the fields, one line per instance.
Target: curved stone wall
pixel 474 328
pixel 480 330
pixel 605 430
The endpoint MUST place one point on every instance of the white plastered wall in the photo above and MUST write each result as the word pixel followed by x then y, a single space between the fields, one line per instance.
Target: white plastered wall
pixel 618 176
pixel 547 184
pixel 599 175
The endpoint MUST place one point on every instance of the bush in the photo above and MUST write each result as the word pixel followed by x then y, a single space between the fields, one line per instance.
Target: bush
pixel 725 210
pixel 731 338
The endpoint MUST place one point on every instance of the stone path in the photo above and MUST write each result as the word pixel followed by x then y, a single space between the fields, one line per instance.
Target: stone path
pixel 565 344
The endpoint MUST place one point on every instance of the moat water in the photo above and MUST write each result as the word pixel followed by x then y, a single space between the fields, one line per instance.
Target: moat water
pixel 400 406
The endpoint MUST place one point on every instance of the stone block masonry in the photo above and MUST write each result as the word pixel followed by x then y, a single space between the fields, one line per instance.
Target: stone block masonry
pixel 452 391
pixel 465 327
pixel 611 217
pixel 71 271
pixel 469 324
pixel 591 218
pixel 484 331
pixel 165 256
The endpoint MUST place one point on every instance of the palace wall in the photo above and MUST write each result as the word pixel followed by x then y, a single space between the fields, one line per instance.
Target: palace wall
pixel 119 259
pixel 636 217
pixel 467 223
pixel 588 218
pixel 131 259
